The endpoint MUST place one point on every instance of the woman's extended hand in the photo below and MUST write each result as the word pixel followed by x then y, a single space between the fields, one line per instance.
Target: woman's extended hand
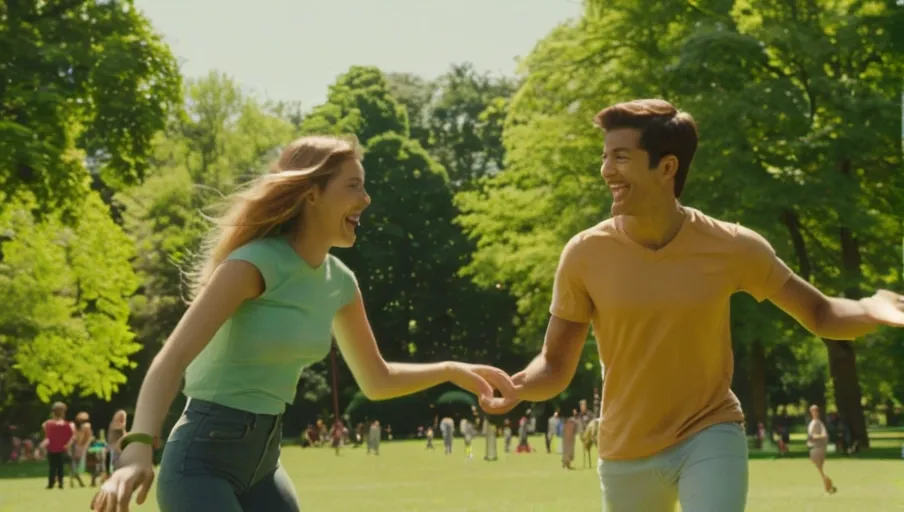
pixel 483 381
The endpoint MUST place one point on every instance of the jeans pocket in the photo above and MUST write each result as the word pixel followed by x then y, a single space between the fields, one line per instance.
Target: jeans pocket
pixel 216 428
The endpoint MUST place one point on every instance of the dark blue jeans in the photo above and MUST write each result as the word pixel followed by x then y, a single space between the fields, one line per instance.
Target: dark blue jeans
pixel 221 459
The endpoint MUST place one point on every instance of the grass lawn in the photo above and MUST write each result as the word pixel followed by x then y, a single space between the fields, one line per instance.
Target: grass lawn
pixel 405 477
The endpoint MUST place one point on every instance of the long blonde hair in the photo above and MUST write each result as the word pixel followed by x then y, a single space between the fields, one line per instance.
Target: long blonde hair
pixel 271 204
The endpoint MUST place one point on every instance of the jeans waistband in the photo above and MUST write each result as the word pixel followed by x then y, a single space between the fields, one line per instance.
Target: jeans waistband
pixel 207 407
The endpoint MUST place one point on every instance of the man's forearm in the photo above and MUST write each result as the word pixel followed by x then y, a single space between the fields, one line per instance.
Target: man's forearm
pixel 844 319
pixel 541 380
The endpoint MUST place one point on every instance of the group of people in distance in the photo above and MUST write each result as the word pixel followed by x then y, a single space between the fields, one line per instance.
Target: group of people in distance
pixel 654 280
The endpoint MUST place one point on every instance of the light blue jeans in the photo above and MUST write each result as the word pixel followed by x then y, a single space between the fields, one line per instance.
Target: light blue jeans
pixel 705 473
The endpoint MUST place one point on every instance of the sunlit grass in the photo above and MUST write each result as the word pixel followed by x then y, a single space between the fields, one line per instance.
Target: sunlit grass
pixel 406 477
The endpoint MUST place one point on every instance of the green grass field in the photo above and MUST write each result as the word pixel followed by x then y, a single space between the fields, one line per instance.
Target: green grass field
pixel 405 477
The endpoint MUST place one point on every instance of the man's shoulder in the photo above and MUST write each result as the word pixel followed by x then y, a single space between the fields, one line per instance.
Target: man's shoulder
pixel 708 225
pixel 600 233
pixel 735 237
pixel 718 229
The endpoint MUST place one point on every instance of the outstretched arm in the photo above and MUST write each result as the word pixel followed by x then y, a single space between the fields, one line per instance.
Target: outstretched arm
pixel 551 371
pixel 834 317
pixel 765 276
pixel 381 380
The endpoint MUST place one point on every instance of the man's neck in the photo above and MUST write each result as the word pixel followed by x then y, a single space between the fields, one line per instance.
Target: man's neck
pixel 656 229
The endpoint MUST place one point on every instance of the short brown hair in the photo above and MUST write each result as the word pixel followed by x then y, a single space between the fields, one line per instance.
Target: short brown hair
pixel 664 130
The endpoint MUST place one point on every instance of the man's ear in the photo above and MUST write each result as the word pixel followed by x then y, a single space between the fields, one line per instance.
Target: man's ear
pixel 668 166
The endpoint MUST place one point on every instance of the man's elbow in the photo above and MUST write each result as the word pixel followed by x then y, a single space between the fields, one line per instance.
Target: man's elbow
pixel 824 322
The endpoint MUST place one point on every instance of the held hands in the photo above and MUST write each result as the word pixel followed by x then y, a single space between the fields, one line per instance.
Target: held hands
pixel 483 381
pixel 886 308
pixel 136 472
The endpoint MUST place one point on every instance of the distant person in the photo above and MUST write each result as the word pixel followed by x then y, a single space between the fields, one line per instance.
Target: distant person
pixel 96 459
pixel 656 280
pixel 507 435
pixel 58 435
pixel 429 435
pixel 115 432
pixel 569 439
pixel 552 426
pixel 523 434
pixel 373 438
pixel 265 300
pixel 818 442
pixel 467 432
pixel 78 450
pixel 490 433
pixel 447 428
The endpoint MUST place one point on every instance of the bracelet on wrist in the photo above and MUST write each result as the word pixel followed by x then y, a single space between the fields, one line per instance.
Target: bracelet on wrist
pixel 138 437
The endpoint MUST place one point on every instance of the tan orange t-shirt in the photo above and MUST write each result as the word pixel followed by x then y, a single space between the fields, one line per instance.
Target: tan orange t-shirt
pixel 661 321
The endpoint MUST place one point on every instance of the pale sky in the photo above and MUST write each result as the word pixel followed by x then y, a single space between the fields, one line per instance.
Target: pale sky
pixel 293 49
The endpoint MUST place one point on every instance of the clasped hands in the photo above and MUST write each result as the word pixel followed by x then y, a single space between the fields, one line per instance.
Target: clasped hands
pixel 484 381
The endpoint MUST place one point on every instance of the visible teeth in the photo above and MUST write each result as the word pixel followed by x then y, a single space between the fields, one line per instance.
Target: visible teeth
pixel 354 218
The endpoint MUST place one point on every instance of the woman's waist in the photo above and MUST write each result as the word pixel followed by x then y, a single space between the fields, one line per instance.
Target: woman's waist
pixel 234 410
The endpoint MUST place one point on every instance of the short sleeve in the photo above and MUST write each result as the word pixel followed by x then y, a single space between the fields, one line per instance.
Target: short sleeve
pixel 262 255
pixel 350 288
pixel 570 299
pixel 348 282
pixel 761 273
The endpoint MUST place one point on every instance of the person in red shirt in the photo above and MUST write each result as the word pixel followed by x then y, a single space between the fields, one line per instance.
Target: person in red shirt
pixel 58 434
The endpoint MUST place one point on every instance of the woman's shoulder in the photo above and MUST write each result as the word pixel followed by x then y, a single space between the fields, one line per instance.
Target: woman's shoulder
pixel 339 266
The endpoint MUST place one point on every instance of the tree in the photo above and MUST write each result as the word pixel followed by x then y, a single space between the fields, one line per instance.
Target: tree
pixel 782 120
pixel 458 119
pixel 224 137
pixel 409 251
pixel 80 81
pixel 65 289
pixel 358 103
pixel 806 79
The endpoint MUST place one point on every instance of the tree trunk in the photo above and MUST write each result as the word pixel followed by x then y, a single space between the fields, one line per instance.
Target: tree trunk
pixel 757 377
pixel 842 359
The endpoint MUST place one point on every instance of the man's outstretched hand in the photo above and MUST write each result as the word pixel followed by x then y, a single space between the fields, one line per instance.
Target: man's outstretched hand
pixel 886 308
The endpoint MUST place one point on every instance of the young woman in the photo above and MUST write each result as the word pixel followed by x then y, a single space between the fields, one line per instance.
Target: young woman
pixel 266 298
pixel 115 431
pixel 58 434
pixel 818 442
pixel 78 449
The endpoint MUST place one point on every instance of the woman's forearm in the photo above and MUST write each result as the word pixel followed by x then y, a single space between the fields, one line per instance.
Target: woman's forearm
pixel 400 379
pixel 159 389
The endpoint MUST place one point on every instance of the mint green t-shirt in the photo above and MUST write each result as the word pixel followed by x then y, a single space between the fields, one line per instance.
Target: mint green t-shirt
pixel 255 359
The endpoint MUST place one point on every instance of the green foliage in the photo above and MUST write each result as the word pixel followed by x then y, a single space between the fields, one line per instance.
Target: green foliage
pixel 798 105
pixel 223 137
pixel 80 81
pixel 65 292
pixel 360 103
pixel 458 118
pixel 409 251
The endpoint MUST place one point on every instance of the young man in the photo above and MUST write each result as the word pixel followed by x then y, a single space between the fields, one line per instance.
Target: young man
pixel 655 281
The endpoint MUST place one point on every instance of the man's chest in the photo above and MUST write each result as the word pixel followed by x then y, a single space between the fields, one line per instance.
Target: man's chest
pixel 624 282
